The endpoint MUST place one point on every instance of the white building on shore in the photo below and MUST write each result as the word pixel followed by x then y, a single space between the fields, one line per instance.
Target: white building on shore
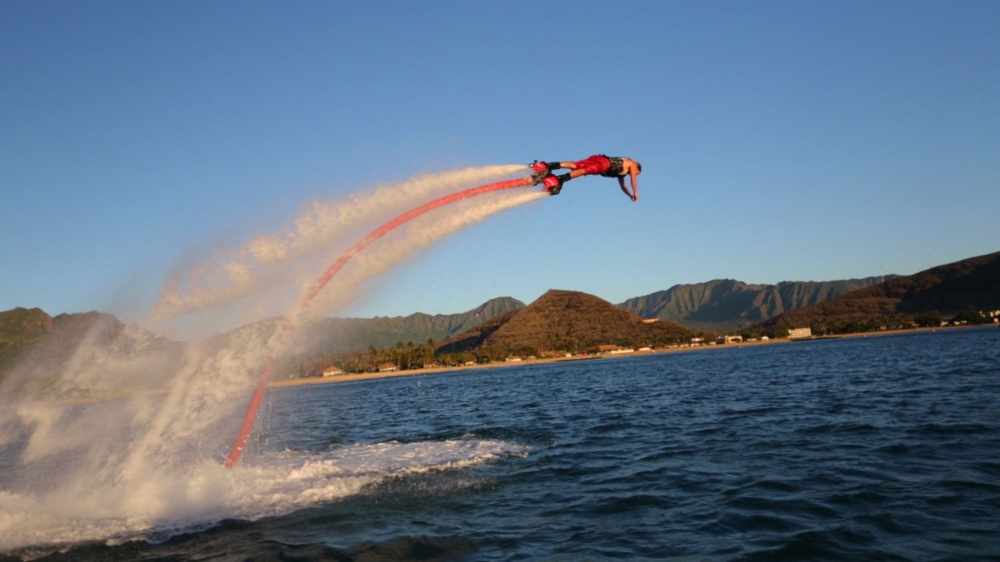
pixel 798 333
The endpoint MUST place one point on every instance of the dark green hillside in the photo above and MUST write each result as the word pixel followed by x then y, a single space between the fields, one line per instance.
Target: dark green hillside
pixel 565 320
pixel 949 289
pixel 727 305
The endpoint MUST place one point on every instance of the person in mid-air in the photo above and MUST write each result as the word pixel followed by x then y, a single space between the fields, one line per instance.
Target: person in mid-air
pixel 596 165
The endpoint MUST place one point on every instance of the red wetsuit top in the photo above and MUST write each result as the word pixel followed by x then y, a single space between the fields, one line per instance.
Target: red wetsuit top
pixel 601 165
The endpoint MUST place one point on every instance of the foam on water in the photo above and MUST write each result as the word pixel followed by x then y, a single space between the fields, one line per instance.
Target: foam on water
pixel 275 484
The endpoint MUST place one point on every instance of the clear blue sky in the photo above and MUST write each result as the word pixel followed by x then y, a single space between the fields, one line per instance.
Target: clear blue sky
pixel 779 140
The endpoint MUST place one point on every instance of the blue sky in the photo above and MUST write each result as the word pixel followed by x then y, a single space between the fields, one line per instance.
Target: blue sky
pixel 779 140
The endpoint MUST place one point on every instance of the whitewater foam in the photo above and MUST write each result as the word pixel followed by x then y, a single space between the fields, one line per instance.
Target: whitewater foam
pixel 277 483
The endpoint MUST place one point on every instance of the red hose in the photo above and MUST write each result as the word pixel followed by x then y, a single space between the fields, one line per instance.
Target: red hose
pixel 258 395
pixel 237 449
pixel 401 219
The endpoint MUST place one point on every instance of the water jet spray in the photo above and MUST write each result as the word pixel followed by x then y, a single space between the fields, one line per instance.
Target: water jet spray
pixel 236 451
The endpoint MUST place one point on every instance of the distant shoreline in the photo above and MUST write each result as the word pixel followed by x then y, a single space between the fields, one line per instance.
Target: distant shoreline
pixel 500 365
pixel 354 377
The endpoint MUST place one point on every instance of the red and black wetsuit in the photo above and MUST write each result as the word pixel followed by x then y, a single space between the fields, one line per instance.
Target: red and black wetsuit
pixel 601 165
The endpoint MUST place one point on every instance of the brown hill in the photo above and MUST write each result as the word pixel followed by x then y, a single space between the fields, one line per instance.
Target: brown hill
pixel 566 320
pixel 973 283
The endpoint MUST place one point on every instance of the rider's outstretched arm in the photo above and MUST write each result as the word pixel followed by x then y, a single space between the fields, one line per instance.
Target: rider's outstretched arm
pixel 635 185
pixel 621 184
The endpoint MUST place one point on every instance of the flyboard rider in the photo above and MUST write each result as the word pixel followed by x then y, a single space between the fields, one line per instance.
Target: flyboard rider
pixel 596 165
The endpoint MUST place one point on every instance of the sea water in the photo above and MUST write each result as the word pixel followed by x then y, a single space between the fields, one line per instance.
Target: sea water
pixel 877 448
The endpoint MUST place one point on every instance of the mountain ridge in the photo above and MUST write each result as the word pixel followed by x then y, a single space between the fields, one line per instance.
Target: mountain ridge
pixel 969 284
pixel 724 305
pixel 727 305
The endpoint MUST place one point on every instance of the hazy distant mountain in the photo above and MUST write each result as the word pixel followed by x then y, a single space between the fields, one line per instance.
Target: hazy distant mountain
pixel 972 283
pixel 727 305
pixel 31 340
pixel 332 335
pixel 568 320
pixel 35 348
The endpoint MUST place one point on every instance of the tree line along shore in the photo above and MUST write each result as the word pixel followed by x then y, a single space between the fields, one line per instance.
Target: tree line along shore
pixel 337 375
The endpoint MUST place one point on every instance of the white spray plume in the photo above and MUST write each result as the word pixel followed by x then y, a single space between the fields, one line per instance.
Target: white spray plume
pixel 266 260
pixel 80 470
pixel 401 244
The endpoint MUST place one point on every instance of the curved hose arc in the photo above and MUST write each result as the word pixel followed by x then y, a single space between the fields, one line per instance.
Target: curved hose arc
pixel 236 451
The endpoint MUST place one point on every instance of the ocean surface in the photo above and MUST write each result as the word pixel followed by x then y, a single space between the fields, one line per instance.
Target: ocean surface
pixel 877 448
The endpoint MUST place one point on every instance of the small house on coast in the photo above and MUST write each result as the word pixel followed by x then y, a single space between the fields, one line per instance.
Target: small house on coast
pixel 799 333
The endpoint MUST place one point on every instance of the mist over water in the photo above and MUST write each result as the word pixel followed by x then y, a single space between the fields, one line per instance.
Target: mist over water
pixel 118 436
